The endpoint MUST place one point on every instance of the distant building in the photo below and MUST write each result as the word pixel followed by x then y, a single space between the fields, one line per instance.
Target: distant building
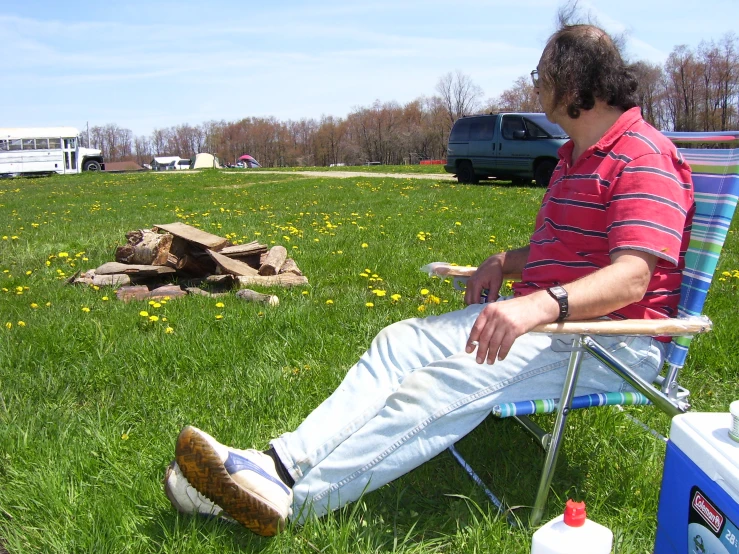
pixel 165 163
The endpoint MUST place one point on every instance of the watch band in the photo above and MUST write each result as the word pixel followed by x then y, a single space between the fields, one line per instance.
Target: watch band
pixel 560 295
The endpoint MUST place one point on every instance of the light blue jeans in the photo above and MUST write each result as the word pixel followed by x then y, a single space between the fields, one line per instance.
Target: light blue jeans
pixel 416 391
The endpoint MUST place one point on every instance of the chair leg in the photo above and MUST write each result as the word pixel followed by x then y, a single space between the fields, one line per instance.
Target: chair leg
pixel 550 463
pixel 540 435
pixel 477 479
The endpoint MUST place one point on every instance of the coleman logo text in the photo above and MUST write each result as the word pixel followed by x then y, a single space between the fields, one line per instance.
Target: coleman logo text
pixel 708 512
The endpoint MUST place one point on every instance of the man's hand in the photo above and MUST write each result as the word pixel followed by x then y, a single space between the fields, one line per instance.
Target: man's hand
pixel 501 323
pixel 489 276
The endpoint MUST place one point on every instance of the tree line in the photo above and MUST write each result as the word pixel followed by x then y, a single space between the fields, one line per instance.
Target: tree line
pixel 694 90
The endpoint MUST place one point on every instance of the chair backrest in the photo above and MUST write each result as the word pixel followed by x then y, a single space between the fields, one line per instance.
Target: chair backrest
pixel 716 187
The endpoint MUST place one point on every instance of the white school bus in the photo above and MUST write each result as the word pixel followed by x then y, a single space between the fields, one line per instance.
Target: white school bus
pixel 45 150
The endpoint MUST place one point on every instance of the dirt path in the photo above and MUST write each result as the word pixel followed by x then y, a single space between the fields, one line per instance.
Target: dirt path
pixel 431 176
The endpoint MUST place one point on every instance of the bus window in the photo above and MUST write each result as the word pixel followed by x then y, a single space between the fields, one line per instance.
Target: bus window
pixel 55 143
pixel 70 143
pixel 28 144
pixel 3 145
pixel 15 144
pixel 74 160
pixel 42 144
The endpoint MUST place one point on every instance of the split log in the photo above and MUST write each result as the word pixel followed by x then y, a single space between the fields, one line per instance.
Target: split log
pixel 219 281
pixel 190 258
pixel 111 268
pixel 253 296
pixel 115 280
pixel 281 280
pixel 273 261
pixel 144 247
pixel 142 292
pixel 231 266
pixel 196 236
pixel 195 291
pixel 242 250
pixel 290 267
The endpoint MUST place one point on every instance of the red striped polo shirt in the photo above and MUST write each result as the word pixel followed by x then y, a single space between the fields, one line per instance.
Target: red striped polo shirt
pixel 630 191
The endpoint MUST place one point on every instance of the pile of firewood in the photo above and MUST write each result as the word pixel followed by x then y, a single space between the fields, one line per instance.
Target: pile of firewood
pixel 177 259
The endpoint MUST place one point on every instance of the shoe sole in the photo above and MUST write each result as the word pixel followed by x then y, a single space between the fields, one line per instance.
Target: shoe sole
pixel 203 468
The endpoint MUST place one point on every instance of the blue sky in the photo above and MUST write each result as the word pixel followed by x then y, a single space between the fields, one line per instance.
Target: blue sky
pixel 150 64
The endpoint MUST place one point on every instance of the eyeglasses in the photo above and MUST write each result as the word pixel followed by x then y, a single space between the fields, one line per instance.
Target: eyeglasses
pixel 535 78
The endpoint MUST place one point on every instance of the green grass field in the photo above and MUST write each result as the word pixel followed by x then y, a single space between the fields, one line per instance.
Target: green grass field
pixel 92 394
pixel 415 168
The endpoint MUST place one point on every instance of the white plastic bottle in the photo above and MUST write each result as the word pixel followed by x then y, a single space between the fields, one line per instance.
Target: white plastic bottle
pixel 572 533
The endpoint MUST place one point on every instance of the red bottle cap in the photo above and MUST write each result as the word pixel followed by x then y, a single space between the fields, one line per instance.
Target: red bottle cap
pixel 575 513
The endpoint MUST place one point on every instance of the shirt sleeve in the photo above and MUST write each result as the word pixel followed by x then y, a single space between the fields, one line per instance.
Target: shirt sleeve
pixel 649 205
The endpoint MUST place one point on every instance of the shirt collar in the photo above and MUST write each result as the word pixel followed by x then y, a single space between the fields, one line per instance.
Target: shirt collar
pixel 625 121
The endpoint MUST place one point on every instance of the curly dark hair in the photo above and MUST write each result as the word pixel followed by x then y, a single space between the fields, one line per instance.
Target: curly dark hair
pixel 581 63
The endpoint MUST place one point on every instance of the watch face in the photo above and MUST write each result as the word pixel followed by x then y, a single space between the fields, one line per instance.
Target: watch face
pixel 558 291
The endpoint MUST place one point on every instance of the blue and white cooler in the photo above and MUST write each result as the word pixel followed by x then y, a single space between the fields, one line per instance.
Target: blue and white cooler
pixel 699 500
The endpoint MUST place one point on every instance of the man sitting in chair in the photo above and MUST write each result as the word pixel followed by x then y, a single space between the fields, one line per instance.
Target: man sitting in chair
pixel 609 241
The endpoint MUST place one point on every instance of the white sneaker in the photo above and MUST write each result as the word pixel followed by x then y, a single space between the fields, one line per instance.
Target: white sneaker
pixel 185 498
pixel 243 482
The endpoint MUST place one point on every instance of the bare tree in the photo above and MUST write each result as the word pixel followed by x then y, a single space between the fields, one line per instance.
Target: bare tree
pixel 521 97
pixel 459 94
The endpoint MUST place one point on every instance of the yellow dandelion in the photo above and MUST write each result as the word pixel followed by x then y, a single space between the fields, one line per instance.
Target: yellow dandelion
pixel 156 305
pixel 424 292
pixel 106 298
pixel 124 437
pixel 329 301
pixel 8 325
pixel 305 293
pixel 395 297
pixel 365 245
pixel 169 330
pixel 370 305
pixel 34 305
pixel 422 308
pixel 219 316
pixel 85 309
pixel 29 272
pixel 458 223
pixel 21 324
pixel 153 318
pixel 220 305
pixel 379 292
pixel 144 313
pixel 152 302
pixel 48 304
pixel 63 254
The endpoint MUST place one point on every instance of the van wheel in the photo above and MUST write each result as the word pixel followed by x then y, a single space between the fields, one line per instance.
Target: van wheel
pixel 466 174
pixel 92 165
pixel 543 173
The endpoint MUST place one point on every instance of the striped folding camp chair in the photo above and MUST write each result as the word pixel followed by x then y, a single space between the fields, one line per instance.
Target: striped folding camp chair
pixel 716 185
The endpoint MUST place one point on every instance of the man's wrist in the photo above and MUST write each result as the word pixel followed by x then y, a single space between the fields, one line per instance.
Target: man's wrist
pixel 559 294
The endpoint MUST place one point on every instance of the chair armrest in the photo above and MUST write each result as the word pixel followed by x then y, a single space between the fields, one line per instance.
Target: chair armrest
pixel 672 327
pixel 444 269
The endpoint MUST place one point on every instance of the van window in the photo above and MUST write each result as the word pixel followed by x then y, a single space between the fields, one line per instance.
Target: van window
pixel 534 130
pixel 461 130
pixel 512 123
pixel 482 128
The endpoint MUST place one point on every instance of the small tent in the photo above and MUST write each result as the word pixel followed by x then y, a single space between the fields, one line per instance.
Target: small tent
pixel 204 161
pixel 248 161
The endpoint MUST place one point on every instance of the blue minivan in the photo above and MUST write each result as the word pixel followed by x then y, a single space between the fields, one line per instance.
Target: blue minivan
pixel 518 146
